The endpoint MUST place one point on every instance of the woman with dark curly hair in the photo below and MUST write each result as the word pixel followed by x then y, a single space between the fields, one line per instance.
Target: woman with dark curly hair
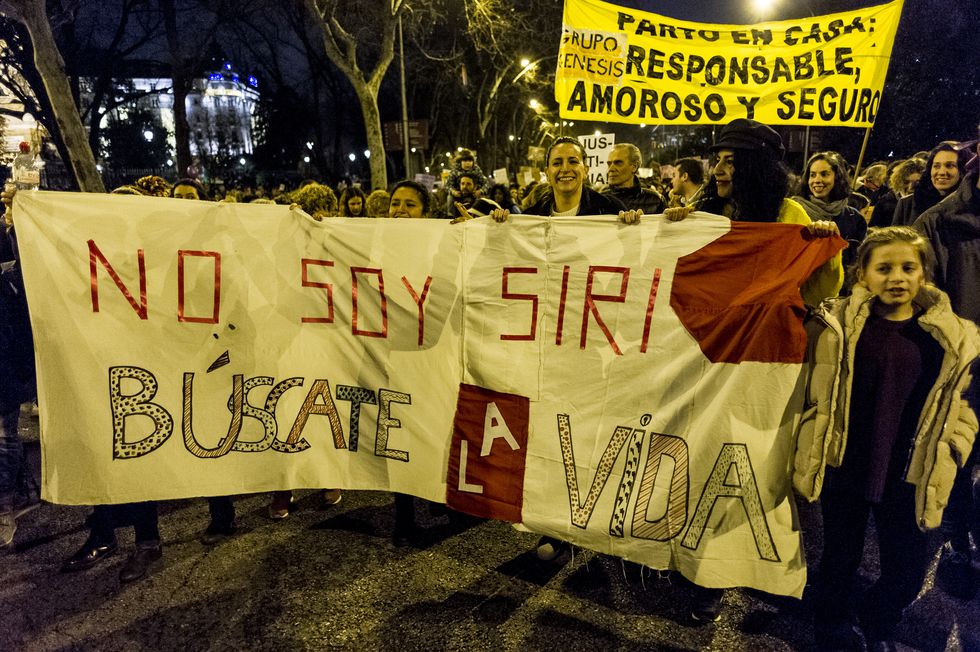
pixel 823 195
pixel 353 202
pixel 749 184
pixel 945 168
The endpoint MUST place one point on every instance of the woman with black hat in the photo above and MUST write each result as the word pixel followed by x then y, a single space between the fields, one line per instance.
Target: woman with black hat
pixel 750 180
pixel 749 184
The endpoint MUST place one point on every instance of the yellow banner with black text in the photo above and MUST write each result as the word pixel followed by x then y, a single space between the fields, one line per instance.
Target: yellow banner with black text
pixel 617 64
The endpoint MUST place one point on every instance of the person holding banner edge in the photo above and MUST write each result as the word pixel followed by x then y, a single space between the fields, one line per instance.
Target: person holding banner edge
pixel 824 190
pixel 569 196
pixel 750 176
pixel 750 180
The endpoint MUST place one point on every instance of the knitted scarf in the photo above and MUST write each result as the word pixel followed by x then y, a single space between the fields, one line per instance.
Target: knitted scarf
pixel 819 209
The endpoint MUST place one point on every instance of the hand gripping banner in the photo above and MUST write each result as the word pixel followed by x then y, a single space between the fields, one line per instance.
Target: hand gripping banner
pixel 617 64
pixel 632 389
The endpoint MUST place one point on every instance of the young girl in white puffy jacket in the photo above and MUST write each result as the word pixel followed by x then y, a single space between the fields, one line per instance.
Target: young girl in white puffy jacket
pixel 884 428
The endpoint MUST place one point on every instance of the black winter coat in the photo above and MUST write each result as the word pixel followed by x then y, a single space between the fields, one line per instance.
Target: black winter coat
pixel 953 228
pixel 16 344
pixel 592 204
pixel 636 197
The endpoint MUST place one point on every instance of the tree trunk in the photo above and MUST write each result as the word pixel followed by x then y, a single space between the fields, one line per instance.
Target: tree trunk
pixel 341 49
pixel 368 99
pixel 181 84
pixel 47 58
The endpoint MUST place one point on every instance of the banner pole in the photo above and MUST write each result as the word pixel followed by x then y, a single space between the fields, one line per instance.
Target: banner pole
pixel 806 146
pixel 864 147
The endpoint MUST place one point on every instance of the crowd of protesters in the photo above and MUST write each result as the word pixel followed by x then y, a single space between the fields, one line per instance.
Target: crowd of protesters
pixel 892 328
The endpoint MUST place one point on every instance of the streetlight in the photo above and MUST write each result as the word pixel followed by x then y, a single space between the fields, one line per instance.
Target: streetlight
pixel 763 6
pixel 351 156
pixel 148 135
pixel 534 104
pixel 528 66
pixel 306 159
pixel 367 153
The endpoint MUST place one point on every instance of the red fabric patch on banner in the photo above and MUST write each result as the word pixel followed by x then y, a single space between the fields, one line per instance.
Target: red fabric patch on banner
pixel 739 296
pixel 488 454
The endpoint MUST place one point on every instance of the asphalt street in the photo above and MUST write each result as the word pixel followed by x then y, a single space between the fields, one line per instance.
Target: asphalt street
pixel 330 579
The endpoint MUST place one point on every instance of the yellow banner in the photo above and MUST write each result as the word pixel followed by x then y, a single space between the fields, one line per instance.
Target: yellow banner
pixel 617 64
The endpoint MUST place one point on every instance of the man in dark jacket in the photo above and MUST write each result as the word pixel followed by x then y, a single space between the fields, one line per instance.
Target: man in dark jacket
pixel 624 160
pixel 953 228
pixel 16 383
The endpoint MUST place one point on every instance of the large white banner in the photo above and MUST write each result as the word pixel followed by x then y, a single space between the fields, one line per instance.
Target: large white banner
pixel 632 389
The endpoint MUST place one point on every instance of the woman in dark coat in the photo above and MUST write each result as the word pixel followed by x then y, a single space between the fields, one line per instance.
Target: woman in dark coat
pixel 945 167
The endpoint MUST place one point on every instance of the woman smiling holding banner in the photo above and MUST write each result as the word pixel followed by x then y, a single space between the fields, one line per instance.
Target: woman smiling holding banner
pixel 569 196
pixel 824 190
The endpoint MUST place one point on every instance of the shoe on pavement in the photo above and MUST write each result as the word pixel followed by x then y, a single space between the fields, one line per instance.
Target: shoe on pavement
pixel 707 605
pixel 140 562
pixel 280 505
pixel 26 507
pixel 406 538
pixel 216 533
pixel 8 526
pixel 549 548
pixel 955 574
pixel 330 497
pixel 90 554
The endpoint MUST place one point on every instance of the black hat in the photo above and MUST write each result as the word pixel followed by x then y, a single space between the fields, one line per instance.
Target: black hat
pixel 742 133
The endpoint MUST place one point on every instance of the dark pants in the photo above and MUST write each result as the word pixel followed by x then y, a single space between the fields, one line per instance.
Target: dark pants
pixel 903 549
pixel 222 510
pixel 11 457
pixel 404 514
pixel 142 516
pixel 962 514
